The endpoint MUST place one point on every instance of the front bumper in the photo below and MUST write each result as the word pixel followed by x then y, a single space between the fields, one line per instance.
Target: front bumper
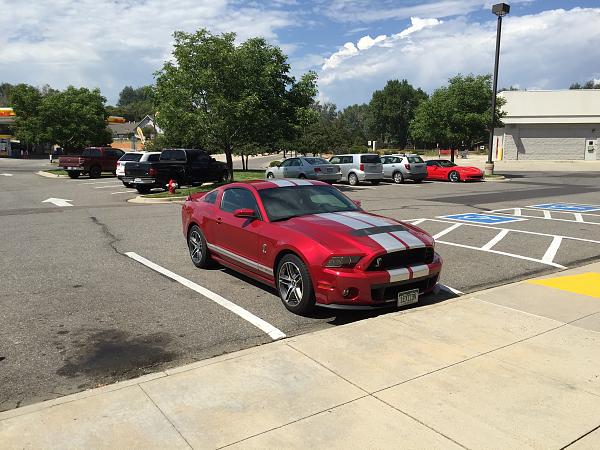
pixel 371 288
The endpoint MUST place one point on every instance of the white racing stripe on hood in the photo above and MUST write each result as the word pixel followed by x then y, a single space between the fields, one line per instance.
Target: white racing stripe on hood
pixel 282 183
pixel 375 221
pixel 420 271
pixel 388 242
pixel 348 221
pixel 410 239
pixel 398 275
pixel 300 182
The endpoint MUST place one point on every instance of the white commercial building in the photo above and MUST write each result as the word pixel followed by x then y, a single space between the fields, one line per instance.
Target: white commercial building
pixel 550 125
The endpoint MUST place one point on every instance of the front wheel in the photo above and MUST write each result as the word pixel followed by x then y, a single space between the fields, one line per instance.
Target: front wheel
pixel 454 176
pixel 74 174
pixel 294 285
pixel 270 175
pixel 143 189
pixel 352 179
pixel 198 247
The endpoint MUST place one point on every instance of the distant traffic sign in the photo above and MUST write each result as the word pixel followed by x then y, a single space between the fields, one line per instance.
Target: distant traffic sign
pixel 487 219
pixel 567 207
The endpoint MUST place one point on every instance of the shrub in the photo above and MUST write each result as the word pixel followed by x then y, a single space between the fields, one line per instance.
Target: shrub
pixel 274 163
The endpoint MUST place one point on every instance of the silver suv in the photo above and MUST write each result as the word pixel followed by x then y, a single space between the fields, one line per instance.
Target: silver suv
pixel 359 167
pixel 404 167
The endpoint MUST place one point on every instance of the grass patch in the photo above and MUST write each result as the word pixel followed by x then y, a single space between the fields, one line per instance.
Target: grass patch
pixel 57 172
pixel 238 175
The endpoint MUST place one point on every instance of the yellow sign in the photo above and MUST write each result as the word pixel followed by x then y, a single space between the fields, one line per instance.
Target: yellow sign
pixel 7 112
pixel 140 135
pixel 116 119
pixel 584 284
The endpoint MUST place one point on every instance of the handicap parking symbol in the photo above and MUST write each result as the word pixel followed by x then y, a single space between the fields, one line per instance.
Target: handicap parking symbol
pixel 486 219
pixel 566 207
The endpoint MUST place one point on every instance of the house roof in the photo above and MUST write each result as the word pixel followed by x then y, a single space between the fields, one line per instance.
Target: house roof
pixel 581 106
pixel 123 128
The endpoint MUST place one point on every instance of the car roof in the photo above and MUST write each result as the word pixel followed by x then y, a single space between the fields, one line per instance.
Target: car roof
pixel 260 185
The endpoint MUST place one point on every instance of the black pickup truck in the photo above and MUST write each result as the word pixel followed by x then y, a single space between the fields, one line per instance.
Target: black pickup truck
pixel 184 166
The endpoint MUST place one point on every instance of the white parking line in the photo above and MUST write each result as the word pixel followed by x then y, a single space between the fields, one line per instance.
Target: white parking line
pixel 123 192
pixel 551 252
pixel 112 186
pixel 415 222
pixel 452 290
pixel 259 323
pixel 578 216
pixel 447 230
pixel 547 214
pixel 495 240
pixel 95 182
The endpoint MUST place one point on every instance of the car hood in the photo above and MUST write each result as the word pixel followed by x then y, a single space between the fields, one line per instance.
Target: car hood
pixel 468 169
pixel 357 232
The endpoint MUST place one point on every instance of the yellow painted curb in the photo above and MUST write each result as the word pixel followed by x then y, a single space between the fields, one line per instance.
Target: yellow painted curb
pixel 584 284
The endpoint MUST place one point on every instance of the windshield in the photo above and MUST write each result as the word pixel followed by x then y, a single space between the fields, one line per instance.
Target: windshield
pixel 370 159
pixel 287 202
pixel 316 161
pixel 444 163
pixel 131 157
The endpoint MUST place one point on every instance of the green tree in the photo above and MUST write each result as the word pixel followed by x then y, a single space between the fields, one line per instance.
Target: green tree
pixel 392 109
pixel 5 94
pixel 134 103
pixel 26 101
pixel 459 112
pixel 219 95
pixel 591 84
pixel 355 119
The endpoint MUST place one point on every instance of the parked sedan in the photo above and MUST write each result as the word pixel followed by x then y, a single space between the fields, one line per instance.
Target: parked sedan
pixel 404 167
pixel 312 243
pixel 134 157
pixel 442 169
pixel 311 168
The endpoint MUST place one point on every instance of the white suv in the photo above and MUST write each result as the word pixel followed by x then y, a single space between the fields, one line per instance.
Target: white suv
pixel 134 157
pixel 359 167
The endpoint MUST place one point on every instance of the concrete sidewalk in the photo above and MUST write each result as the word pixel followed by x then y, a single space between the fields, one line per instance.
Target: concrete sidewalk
pixel 512 367
pixel 507 166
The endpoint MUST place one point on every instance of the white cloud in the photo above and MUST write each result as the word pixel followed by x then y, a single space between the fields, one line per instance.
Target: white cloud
pixel 367 42
pixel 417 24
pixel 548 50
pixel 111 43
pixel 347 51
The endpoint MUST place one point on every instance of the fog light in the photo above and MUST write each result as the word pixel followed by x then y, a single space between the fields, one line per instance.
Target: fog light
pixel 346 293
pixel 350 292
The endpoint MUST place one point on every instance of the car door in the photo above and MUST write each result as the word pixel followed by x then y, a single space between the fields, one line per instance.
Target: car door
pixel 293 169
pixel 433 170
pixel 235 239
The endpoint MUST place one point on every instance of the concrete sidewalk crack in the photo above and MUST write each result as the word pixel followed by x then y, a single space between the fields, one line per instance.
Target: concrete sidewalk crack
pixel 165 416
pixel 112 238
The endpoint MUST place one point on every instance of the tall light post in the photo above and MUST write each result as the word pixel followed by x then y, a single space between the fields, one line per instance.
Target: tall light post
pixel 500 9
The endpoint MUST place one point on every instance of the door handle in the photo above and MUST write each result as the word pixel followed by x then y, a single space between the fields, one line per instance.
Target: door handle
pixel 219 220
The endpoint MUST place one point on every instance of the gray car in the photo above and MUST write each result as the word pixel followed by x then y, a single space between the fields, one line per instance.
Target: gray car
pixel 305 167
pixel 404 167
pixel 359 167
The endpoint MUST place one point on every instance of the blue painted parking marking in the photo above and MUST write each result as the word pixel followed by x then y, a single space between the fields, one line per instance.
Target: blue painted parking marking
pixel 566 207
pixel 487 219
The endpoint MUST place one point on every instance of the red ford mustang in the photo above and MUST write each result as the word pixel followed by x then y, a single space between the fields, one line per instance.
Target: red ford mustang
pixel 312 243
pixel 442 169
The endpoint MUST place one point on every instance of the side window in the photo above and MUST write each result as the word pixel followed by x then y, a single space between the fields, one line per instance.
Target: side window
pixel 237 198
pixel 295 162
pixel 432 163
pixel 173 155
pixel 335 160
pixel 96 153
pixel 286 163
pixel 347 160
pixel 153 158
pixel 211 197
pixel 397 160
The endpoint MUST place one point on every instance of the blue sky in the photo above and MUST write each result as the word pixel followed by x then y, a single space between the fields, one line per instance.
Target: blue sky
pixel 355 46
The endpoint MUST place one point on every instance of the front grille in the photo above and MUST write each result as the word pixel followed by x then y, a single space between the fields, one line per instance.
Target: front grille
pixel 402 258
pixel 390 293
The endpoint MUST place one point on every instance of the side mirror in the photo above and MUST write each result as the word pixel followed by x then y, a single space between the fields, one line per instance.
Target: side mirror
pixel 245 213
pixel 357 203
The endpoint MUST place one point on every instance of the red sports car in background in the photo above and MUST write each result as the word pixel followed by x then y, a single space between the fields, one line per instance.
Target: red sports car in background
pixel 442 169
pixel 310 242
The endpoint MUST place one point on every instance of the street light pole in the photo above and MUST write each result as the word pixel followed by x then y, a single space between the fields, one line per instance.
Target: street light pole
pixel 500 9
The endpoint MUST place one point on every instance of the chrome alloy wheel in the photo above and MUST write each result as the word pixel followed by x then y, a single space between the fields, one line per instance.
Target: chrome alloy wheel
pixel 195 244
pixel 290 283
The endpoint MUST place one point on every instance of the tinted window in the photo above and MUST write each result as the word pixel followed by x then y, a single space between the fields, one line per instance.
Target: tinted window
pixel 316 161
pixel 92 152
pixel 446 163
pixel 414 159
pixel 335 160
pixel 153 158
pixel 131 157
pixel 237 198
pixel 173 155
pixel 286 202
pixel 197 156
pixel 432 163
pixel 211 197
pixel 286 163
pixel 295 163
pixel 370 159
pixel 347 160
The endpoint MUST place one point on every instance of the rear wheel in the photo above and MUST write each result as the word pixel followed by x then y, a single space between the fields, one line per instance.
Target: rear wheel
pixel 143 189
pixel 198 248
pixel 352 179
pixel 302 176
pixel 74 174
pixel 95 172
pixel 375 182
pixel 454 176
pixel 398 178
pixel 419 180
pixel 294 285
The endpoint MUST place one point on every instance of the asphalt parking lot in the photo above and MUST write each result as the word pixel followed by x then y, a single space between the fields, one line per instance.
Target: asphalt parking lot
pixel 77 311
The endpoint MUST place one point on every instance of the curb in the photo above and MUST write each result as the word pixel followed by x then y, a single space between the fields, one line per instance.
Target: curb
pixel 141 199
pixel 497 178
pixel 43 173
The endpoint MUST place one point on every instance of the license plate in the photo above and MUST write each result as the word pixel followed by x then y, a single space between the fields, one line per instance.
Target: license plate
pixel 72 168
pixel 329 170
pixel 137 180
pixel 408 297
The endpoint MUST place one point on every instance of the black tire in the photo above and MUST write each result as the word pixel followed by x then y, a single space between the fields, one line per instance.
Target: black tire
pixel 454 176
pixel 398 177
pixel 290 267
pixel 127 185
pixel 353 179
pixel 302 176
pixel 199 252
pixel 270 175
pixel 95 172
pixel 143 189
pixel 74 174
pixel 419 180
pixel 375 182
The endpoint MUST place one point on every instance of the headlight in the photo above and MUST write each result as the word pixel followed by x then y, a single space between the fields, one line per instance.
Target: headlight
pixel 343 261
